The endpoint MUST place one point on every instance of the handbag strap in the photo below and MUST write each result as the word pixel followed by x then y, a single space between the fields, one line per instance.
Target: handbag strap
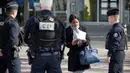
pixel 89 45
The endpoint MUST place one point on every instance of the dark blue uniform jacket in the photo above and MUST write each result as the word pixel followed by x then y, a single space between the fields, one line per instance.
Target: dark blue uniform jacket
pixel 115 39
pixel 10 33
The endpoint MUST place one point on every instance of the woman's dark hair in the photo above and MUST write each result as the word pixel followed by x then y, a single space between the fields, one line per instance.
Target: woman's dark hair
pixel 72 16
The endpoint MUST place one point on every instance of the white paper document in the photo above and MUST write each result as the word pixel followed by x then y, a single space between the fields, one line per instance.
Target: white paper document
pixel 79 35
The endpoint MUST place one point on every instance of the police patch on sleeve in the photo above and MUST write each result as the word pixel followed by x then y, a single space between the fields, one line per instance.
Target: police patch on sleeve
pixel 115 35
pixel 46 25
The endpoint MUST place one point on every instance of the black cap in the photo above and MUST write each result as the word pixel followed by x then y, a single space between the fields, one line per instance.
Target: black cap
pixel 113 12
pixel 12 5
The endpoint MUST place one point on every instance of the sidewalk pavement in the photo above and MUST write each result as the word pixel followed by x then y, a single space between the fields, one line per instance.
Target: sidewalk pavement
pixel 101 67
pixel 102 52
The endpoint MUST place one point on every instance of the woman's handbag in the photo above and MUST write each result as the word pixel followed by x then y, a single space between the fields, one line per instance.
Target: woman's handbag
pixel 88 55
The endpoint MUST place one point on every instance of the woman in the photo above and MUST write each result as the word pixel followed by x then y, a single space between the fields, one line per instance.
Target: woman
pixel 75 47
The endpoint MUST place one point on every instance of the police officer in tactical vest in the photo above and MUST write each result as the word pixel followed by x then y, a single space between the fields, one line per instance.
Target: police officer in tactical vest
pixel 9 50
pixel 44 35
pixel 115 43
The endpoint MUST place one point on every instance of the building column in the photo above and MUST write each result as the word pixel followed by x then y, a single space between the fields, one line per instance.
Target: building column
pixel 68 9
pixel 121 9
pixel 26 10
pixel 54 8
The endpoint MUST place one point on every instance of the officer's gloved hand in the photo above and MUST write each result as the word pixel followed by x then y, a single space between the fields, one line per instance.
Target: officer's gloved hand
pixel 15 48
pixel 15 51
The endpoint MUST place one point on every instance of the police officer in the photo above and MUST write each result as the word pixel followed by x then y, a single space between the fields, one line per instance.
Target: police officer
pixel 115 43
pixel 44 35
pixel 10 34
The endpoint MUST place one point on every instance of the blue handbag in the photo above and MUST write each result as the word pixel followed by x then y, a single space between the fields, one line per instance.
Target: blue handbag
pixel 88 55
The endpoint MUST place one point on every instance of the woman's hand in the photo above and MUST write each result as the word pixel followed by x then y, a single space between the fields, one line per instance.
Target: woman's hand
pixel 84 41
pixel 74 42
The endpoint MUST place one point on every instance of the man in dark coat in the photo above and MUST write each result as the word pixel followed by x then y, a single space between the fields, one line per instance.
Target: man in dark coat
pixel 73 60
pixel 115 43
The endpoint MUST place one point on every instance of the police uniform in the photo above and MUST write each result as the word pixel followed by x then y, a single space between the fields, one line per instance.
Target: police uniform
pixel 44 35
pixel 10 42
pixel 115 44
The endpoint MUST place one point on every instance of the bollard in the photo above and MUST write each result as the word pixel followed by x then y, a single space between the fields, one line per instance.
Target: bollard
pixel 126 38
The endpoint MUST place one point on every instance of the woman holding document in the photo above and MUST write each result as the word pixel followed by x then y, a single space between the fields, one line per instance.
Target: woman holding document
pixel 76 38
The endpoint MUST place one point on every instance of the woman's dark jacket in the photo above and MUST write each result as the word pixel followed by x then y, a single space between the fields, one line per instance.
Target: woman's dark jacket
pixel 73 54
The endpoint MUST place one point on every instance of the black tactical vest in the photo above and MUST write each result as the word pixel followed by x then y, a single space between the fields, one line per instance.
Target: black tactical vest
pixel 46 31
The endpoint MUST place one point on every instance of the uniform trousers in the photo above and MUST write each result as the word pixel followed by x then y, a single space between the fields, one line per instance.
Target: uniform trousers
pixel 46 63
pixel 13 65
pixel 116 62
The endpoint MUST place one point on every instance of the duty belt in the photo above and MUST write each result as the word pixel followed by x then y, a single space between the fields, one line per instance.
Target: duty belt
pixel 49 53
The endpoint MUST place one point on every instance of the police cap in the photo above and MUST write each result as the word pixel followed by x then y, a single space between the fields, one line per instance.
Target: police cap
pixel 12 5
pixel 113 12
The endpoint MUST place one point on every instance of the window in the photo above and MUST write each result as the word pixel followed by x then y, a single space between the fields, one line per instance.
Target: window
pixel 127 8
pixel 60 5
pixel 105 5
pixel 95 10
pixel 89 12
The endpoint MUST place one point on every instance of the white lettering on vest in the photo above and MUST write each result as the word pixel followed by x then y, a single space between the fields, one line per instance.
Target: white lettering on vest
pixel 46 25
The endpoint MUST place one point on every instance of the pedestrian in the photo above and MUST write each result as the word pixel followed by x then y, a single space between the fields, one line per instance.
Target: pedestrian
pixel 9 50
pixel 75 43
pixel 44 34
pixel 115 43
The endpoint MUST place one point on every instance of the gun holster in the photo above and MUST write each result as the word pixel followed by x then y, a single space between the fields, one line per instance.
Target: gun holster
pixel 62 55
pixel 31 56
pixel 62 52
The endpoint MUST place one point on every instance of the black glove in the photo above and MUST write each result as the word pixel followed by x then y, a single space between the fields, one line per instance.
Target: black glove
pixel 15 51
